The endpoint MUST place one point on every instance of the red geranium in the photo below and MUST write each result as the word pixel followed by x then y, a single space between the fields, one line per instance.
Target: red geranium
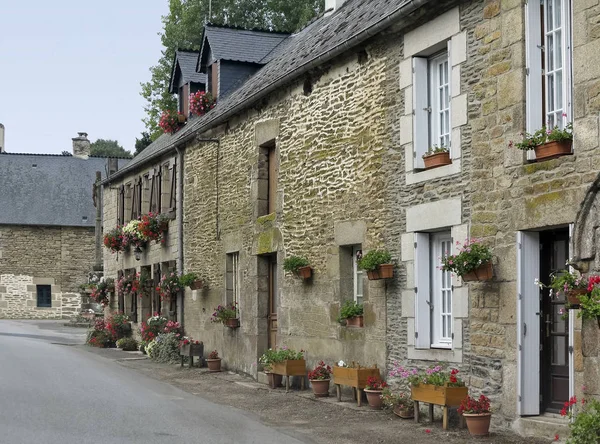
pixel 374 383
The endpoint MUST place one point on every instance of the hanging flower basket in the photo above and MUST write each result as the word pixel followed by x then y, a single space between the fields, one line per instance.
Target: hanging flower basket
pixel 573 297
pixel 484 272
pixel 305 272
pixel 550 150
pixel 232 323
pixel 355 321
pixel 197 284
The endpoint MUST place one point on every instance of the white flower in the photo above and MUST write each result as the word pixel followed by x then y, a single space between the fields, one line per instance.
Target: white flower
pixel 341 364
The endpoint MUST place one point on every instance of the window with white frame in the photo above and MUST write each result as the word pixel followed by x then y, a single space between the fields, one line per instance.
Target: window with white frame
pixel 233 278
pixel 433 287
pixel 549 63
pixel 432 103
pixel 357 274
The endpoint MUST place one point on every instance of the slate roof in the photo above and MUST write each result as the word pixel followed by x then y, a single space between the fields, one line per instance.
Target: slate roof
pixel 322 40
pixel 186 61
pixel 238 45
pixel 56 191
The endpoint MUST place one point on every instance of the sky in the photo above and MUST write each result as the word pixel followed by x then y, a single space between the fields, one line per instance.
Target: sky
pixel 69 66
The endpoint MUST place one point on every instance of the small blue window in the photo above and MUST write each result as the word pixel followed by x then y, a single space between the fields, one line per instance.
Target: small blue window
pixel 44 296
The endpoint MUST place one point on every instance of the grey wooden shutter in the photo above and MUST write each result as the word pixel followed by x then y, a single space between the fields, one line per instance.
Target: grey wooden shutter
pixel 422 291
pixel 528 318
pixel 420 110
pixel 567 55
pixel 533 59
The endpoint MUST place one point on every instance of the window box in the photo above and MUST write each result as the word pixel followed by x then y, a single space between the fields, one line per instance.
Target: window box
pixel 383 271
pixel 437 160
pixel 290 367
pixel 438 395
pixel 551 150
pixel 354 377
pixel 304 272
pixel 355 322
pixel 484 272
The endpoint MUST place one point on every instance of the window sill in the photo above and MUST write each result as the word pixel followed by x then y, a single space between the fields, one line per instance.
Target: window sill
pixel 436 354
pixel 417 176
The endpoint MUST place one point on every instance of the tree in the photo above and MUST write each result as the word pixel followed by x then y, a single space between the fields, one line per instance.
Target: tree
pixel 182 28
pixel 141 144
pixel 66 153
pixel 108 148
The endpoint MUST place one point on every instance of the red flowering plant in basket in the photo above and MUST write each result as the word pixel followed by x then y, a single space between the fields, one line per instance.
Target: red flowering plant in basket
pixel 127 284
pixel 320 373
pixel 201 103
pixel 154 226
pixel 374 383
pixel 187 340
pixel 113 240
pixel 152 327
pixel 100 292
pixel 169 121
pixel 169 286
pixel 225 312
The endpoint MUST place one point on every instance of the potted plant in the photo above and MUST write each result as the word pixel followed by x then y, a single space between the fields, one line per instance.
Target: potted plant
pixel 213 361
pixel 374 389
pixel 127 344
pixel 572 285
pixel 169 286
pixel 226 315
pixel 436 156
pixel 266 360
pixel 191 280
pixel 113 240
pixel 170 121
pixel 473 262
pixel 285 362
pixel 319 379
pixel 353 375
pixel 583 416
pixel 590 302
pixel 547 143
pixel 299 266
pixel 154 226
pixel 378 264
pixel 477 414
pixel 132 236
pixel 201 102
pixel 399 403
pixel 352 313
pixel 101 291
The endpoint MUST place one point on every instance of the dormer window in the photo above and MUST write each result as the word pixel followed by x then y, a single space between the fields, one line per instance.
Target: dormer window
pixel 185 80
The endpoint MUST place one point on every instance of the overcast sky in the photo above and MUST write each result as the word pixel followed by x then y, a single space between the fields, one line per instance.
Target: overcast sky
pixel 75 65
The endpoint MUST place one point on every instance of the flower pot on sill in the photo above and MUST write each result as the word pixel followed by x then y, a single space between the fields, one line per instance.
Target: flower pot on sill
pixel 304 272
pixel 232 323
pixel 437 160
pixel 355 321
pixel 214 365
pixel 196 285
pixel 478 423
pixel 573 297
pixel 484 272
pixel 550 150
pixel 374 398
pixel 320 387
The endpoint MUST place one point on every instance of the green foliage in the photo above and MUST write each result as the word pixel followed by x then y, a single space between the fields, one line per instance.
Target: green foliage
pixel 472 254
pixel 165 348
pixel 182 28
pixel 127 344
pixel 66 153
pixel 435 150
pixel 543 135
pixel 292 263
pixel 350 309
pixel 590 304
pixel 374 258
pixel 188 279
pixel 563 281
pixel 142 143
pixel 585 429
pixel 108 148
pixel 392 400
pixel 272 356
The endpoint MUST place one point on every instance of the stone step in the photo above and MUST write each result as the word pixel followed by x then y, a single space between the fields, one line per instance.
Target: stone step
pixel 547 425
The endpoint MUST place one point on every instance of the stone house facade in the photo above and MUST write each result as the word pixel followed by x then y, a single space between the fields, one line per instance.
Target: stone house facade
pixel 47 230
pixel 327 162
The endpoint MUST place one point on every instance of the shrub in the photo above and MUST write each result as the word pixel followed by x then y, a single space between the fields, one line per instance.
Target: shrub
pixel 118 325
pixel 350 309
pixel 127 344
pixel 99 335
pixel 293 263
pixel 374 258
pixel 165 348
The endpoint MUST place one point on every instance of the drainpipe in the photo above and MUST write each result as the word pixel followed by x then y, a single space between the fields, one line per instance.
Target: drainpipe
pixel 179 216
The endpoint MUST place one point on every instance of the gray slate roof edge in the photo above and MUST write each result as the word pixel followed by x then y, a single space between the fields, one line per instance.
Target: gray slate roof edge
pixel 214 118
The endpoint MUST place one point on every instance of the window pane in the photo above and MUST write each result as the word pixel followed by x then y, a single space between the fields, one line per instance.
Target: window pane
pixel 558 77
pixel 557 14
pixel 550 52
pixel 549 9
pixel 558 51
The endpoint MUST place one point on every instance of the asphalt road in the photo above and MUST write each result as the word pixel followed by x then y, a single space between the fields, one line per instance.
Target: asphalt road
pixel 53 392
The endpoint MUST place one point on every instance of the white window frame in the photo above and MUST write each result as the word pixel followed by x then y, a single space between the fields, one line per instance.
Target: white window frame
pixel 357 275
pixel 426 103
pixel 433 292
pixel 233 267
pixel 538 56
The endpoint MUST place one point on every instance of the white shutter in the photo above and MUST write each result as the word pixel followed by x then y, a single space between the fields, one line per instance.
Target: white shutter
pixel 533 59
pixel 528 323
pixel 420 110
pixel 422 292
pixel 567 40
pixel 450 93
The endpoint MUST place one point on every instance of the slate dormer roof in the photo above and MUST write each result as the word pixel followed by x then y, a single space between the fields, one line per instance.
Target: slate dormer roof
pixel 51 190
pixel 184 65
pixel 237 45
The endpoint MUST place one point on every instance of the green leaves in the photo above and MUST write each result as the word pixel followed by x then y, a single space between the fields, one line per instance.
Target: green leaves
pixel 374 258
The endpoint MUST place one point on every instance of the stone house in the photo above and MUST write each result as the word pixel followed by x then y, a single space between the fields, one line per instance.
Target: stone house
pixel 319 154
pixel 47 230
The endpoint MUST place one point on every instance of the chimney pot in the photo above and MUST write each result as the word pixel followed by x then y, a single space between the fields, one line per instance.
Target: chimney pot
pixel 81 146
pixel 334 5
pixel 1 138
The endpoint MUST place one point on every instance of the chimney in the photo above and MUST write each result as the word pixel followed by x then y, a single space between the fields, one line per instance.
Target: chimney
pixel 1 138
pixel 333 4
pixel 81 146
pixel 113 165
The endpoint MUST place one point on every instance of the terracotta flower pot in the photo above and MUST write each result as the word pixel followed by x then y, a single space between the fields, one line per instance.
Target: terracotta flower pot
pixel 304 272
pixel 573 297
pixel 478 423
pixel 550 150
pixel 320 387
pixel 484 272
pixel 274 380
pixel 437 160
pixel 373 275
pixel 214 365
pixel 404 412
pixel 386 271
pixel 232 323
pixel 374 398
pixel 355 321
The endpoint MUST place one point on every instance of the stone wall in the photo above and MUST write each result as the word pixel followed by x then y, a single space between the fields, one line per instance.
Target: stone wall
pixel 58 256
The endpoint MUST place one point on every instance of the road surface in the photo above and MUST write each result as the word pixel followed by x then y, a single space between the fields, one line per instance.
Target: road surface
pixel 53 392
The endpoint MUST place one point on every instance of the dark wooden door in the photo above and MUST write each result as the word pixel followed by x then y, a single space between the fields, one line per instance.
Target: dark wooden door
pixel 554 330
pixel 273 302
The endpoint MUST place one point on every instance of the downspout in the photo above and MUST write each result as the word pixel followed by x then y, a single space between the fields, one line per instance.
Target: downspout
pixel 179 217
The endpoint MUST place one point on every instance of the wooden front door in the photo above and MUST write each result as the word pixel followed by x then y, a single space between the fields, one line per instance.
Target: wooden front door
pixel 554 330
pixel 273 302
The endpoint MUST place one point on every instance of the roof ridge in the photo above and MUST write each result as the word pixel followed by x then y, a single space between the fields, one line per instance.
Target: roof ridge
pixel 241 28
